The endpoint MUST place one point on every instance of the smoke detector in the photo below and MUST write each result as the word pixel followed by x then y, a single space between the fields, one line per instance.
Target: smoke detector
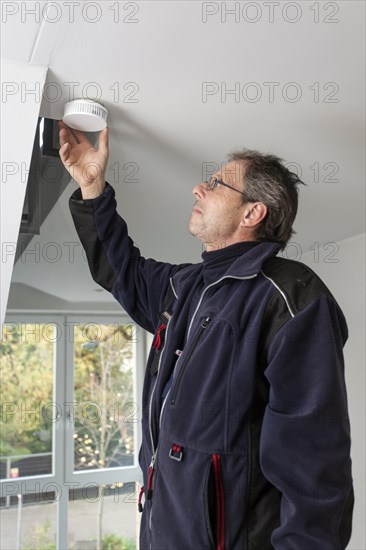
pixel 85 115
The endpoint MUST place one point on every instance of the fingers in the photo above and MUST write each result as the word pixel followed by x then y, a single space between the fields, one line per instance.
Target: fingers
pixel 80 136
pixel 103 140
pixel 65 134
pixel 62 134
pixel 64 152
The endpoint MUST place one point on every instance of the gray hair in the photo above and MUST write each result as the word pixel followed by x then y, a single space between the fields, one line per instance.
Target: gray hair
pixel 267 180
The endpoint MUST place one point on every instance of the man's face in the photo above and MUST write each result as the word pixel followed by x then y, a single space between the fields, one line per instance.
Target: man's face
pixel 216 215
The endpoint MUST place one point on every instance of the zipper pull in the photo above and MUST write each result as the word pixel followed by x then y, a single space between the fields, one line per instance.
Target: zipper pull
pixel 153 458
pixel 142 490
pixel 157 341
pixel 206 322
pixel 150 480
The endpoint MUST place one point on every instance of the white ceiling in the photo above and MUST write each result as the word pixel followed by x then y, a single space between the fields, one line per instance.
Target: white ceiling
pixel 168 54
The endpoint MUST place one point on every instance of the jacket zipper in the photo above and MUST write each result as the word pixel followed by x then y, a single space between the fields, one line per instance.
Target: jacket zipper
pixel 154 449
pixel 220 502
pixel 152 394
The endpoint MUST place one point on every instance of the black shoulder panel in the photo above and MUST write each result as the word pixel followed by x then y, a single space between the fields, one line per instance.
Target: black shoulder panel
pixel 298 284
pixel 297 287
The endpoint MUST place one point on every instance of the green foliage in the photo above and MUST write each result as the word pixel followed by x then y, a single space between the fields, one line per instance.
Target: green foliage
pixel 114 542
pixel 40 539
pixel 27 355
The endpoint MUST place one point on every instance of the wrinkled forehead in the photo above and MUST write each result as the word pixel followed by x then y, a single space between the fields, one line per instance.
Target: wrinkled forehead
pixel 232 172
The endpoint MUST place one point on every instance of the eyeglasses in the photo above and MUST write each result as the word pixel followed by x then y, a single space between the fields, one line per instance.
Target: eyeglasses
pixel 212 183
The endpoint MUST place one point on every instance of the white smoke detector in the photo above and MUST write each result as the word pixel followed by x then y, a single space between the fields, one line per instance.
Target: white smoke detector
pixel 85 115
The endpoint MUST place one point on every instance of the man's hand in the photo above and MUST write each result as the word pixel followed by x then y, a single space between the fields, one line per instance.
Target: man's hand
pixel 85 164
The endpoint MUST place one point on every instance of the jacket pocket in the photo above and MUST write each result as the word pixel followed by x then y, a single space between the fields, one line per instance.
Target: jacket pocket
pixel 187 355
pixel 215 504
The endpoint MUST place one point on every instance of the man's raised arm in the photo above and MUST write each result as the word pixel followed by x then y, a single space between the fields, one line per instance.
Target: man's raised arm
pixel 138 284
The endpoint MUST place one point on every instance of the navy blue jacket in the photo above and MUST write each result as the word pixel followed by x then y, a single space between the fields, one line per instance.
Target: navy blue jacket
pixel 250 449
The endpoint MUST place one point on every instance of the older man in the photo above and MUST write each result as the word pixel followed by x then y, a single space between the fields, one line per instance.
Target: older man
pixel 246 440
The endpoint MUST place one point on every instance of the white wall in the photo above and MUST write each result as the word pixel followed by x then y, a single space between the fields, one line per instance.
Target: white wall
pixel 345 278
pixel 19 115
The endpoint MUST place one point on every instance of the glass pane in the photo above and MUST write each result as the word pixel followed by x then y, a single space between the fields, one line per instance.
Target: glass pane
pixel 104 413
pixel 29 522
pixel 104 517
pixel 27 357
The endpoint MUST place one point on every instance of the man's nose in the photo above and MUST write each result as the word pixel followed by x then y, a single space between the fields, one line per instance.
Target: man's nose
pixel 199 190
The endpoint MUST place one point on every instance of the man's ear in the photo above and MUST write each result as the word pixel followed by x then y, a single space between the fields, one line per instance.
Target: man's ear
pixel 253 214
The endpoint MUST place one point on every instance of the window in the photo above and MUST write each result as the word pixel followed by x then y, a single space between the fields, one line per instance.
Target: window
pixel 70 425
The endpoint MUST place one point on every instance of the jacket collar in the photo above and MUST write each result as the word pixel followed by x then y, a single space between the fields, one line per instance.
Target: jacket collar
pixel 247 265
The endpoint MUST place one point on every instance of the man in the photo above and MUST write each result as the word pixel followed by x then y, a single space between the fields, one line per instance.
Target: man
pixel 245 427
